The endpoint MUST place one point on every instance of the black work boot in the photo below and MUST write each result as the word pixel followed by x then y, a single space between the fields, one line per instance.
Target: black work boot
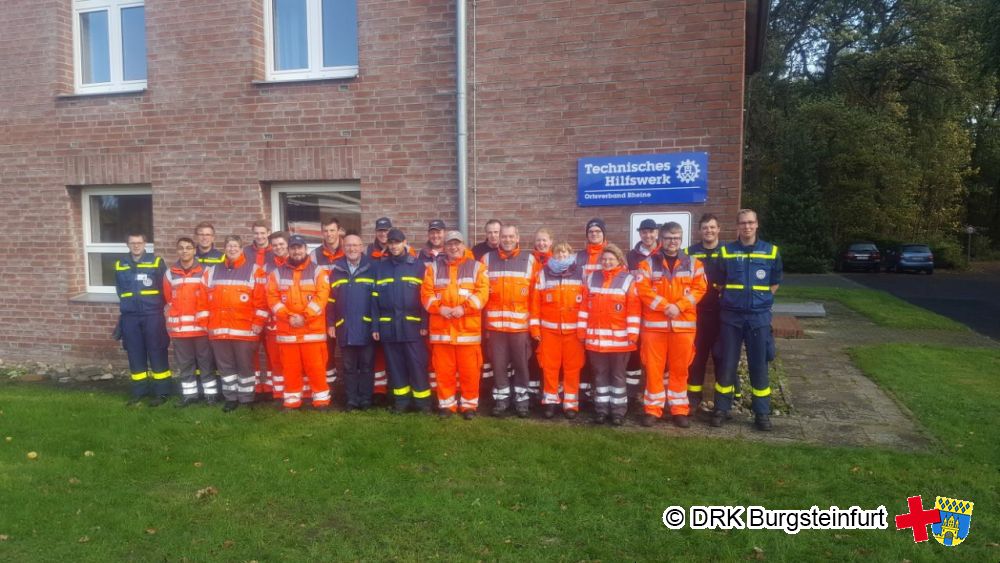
pixel 762 422
pixel 550 411
pixel 230 406
pixel 718 418
pixel 648 420
pixel 682 421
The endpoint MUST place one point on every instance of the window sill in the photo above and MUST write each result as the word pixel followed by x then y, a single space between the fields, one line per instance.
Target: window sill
pixel 95 298
pixel 121 93
pixel 275 81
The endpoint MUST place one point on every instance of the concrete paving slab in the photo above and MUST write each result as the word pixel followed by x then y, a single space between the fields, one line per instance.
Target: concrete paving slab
pixel 807 309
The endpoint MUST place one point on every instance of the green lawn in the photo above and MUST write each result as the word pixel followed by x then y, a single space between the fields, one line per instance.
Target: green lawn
pixel 307 486
pixel 882 308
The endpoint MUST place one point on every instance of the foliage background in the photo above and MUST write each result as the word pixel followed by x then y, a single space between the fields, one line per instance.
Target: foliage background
pixel 876 120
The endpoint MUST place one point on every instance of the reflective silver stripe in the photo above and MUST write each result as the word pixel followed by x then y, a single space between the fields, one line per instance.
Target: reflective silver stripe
pixel 607 343
pixel 475 301
pixel 439 338
pixel 583 314
pixel 464 292
pixel 313 337
pixel 656 324
pixel 244 283
pixel 314 307
pixel 493 274
pixel 263 313
pixel 231 332
pixel 469 339
pixel 631 319
pixel 659 395
pixel 201 315
pixel 466 280
pixel 508 324
pixel 607 332
pixel 632 380
pixel 186 329
pixel 656 302
pixel 559 326
pixel 181 319
pixel 608 290
pixel 283 338
pixel 553 284
pixel 684 324
pixel 447 403
pixel 507 314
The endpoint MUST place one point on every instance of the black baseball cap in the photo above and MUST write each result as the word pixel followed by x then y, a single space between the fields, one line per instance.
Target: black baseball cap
pixel 648 224
pixel 383 224
pixel 296 240
pixel 436 224
pixel 397 235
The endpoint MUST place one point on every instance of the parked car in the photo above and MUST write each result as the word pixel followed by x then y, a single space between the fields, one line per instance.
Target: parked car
pixel 858 256
pixel 916 257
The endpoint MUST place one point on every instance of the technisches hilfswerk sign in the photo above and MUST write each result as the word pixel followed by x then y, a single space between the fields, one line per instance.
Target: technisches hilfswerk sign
pixel 642 179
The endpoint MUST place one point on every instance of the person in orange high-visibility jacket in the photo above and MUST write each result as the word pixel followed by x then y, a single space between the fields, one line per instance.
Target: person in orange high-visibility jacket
pixel 454 292
pixel 276 257
pixel 510 271
pixel 237 312
pixel 259 251
pixel 670 285
pixel 186 296
pixel 609 327
pixel 297 293
pixel 555 312
pixel 589 261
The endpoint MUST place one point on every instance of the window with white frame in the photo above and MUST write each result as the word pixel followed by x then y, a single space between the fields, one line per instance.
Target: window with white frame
pixel 301 208
pixel 311 39
pixel 109 45
pixel 109 215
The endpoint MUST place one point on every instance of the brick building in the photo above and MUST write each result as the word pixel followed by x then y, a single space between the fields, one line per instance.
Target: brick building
pixel 116 115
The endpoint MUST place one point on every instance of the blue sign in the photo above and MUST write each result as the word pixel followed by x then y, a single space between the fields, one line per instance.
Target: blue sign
pixel 642 179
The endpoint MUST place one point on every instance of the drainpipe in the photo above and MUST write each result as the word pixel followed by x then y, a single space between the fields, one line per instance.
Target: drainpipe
pixel 462 126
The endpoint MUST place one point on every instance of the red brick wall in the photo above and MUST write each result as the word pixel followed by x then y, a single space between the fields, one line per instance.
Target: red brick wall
pixel 551 81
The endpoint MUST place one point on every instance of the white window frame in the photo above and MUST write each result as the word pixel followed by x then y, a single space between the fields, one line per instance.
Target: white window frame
pixel 117 83
pixel 314 48
pixel 89 246
pixel 277 215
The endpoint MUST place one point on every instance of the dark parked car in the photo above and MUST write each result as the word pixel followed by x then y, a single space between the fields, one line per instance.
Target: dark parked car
pixel 858 256
pixel 916 257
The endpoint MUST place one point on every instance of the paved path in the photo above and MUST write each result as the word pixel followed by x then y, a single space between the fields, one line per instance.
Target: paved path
pixel 833 402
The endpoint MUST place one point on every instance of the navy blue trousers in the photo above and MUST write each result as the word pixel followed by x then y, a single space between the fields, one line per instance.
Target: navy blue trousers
pixel 407 366
pixel 757 337
pixel 146 341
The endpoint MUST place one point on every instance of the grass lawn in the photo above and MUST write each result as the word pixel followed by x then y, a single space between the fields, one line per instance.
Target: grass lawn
pixel 307 486
pixel 882 308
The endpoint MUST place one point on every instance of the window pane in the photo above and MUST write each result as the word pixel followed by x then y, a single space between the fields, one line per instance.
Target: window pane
pixel 94 55
pixel 102 267
pixel 113 217
pixel 134 43
pixel 291 50
pixel 340 33
pixel 304 212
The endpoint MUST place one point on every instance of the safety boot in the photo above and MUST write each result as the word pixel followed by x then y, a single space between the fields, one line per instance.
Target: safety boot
pixel 762 422
pixel 682 421
pixel 648 420
pixel 718 418
pixel 550 411
pixel 230 406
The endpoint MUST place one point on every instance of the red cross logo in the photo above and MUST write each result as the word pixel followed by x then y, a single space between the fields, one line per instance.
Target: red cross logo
pixel 917 519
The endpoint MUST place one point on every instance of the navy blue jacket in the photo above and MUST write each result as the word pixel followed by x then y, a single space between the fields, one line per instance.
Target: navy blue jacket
pixel 139 285
pixel 748 272
pixel 710 259
pixel 350 306
pixel 399 315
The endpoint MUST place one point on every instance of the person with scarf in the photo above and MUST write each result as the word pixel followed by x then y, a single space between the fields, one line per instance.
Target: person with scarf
pixel 555 310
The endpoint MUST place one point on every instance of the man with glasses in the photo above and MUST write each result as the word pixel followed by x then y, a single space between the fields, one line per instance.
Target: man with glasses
pixel 206 253
pixel 670 284
pixel 751 273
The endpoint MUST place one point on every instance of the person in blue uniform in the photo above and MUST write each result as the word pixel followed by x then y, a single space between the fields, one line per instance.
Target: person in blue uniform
pixel 750 270
pixel 139 285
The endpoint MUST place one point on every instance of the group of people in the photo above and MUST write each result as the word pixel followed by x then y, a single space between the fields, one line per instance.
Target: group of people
pixel 429 326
